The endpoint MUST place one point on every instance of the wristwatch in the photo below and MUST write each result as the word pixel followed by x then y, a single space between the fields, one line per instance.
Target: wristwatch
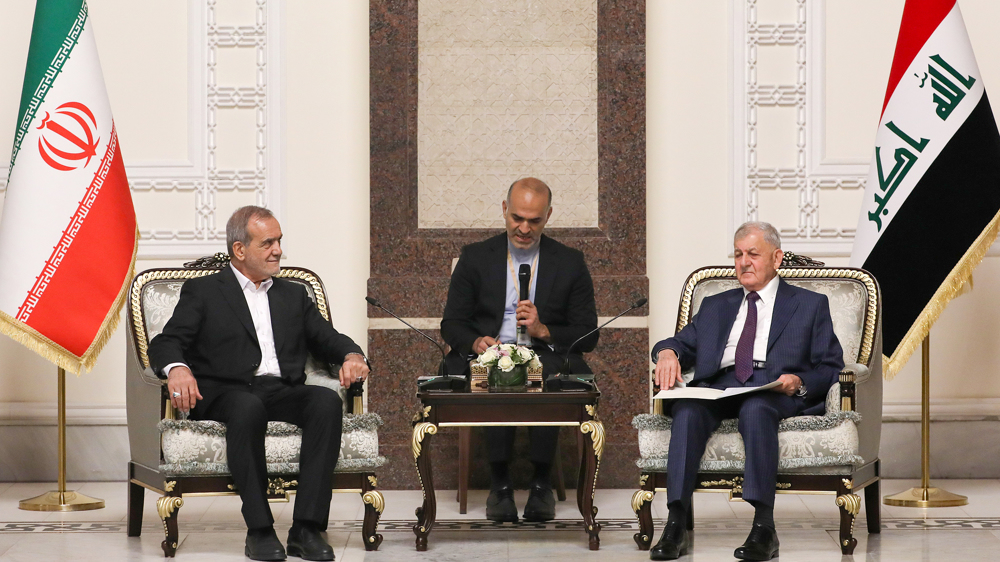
pixel 801 391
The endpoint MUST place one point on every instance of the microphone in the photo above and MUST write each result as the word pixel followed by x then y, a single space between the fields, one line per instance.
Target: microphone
pixel 565 370
pixel 376 304
pixel 524 279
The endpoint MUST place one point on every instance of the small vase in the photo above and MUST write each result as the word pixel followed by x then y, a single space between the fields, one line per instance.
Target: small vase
pixel 518 376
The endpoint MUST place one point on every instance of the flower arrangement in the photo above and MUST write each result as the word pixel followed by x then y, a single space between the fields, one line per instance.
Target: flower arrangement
pixel 509 363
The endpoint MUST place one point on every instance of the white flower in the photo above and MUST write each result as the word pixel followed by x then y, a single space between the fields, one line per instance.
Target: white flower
pixel 508 347
pixel 506 364
pixel 488 356
pixel 524 353
pixel 535 363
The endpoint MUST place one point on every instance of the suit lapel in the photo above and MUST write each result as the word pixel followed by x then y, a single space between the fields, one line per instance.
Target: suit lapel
pixel 495 292
pixel 233 294
pixel 785 304
pixel 277 307
pixel 548 255
pixel 727 316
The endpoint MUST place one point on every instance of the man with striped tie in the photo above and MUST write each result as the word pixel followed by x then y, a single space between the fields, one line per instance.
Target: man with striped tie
pixel 765 331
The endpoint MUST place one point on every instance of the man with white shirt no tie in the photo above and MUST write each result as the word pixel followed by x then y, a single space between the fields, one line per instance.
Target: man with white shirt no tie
pixel 765 331
pixel 234 351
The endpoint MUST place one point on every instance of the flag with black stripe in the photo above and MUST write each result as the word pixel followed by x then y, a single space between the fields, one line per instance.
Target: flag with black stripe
pixel 932 199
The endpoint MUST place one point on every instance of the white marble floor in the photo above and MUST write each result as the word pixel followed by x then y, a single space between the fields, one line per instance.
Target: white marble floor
pixel 212 529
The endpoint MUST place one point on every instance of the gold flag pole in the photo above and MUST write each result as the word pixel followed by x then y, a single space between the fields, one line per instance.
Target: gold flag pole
pixel 925 495
pixel 62 499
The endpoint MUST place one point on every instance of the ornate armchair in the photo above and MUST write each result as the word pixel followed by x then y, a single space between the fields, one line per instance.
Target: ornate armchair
pixel 836 453
pixel 175 457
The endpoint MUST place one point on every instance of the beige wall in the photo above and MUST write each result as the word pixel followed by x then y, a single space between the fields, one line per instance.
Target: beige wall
pixel 325 180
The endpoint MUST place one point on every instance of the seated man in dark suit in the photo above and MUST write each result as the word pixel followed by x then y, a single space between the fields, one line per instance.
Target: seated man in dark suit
pixel 234 351
pixel 765 331
pixel 484 308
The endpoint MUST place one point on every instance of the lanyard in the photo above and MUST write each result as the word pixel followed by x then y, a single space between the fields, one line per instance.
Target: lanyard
pixel 531 280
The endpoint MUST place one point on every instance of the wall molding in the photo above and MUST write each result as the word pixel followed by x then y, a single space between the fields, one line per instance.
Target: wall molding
pixel 945 409
pixel 435 323
pixel 46 413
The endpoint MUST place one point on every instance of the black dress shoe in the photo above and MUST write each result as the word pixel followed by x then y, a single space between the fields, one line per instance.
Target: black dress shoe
pixel 762 544
pixel 541 504
pixel 500 505
pixel 674 542
pixel 263 544
pixel 305 542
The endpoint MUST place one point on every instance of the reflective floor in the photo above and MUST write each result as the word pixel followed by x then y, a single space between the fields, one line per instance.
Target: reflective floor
pixel 212 528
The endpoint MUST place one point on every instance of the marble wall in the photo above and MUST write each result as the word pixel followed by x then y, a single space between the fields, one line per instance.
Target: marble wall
pixel 410 265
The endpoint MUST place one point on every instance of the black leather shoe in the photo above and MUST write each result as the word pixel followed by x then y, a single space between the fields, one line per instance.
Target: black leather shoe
pixel 500 505
pixel 674 542
pixel 305 542
pixel 263 544
pixel 762 544
pixel 541 504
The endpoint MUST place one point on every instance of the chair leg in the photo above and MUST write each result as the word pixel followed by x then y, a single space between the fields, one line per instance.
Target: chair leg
pixel 374 505
pixel 873 507
pixel 850 505
pixel 642 502
pixel 167 507
pixel 136 495
pixel 464 444
pixel 690 516
pixel 560 481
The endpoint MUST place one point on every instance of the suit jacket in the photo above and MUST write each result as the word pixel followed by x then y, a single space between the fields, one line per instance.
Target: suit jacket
pixel 801 340
pixel 564 296
pixel 212 332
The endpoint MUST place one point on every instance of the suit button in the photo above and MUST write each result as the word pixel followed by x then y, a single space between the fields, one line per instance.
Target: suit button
pixel 255 365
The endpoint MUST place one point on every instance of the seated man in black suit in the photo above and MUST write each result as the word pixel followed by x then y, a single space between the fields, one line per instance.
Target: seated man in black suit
pixel 765 331
pixel 234 351
pixel 484 308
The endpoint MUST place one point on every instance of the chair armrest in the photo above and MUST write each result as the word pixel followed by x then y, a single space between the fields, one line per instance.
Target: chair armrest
pixel 850 376
pixel 149 377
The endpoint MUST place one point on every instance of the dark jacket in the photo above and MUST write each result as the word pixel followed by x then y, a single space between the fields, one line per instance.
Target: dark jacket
pixel 800 342
pixel 211 331
pixel 564 296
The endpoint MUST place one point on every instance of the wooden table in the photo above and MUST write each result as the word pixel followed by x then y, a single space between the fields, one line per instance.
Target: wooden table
pixel 518 408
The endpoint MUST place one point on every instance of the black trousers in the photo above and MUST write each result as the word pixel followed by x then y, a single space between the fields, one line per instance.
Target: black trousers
pixel 500 443
pixel 758 413
pixel 317 410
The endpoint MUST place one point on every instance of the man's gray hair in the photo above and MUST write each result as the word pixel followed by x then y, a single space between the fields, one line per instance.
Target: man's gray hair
pixel 236 227
pixel 770 233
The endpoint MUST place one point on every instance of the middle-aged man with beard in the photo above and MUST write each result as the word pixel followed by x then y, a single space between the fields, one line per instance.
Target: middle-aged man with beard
pixel 765 331
pixel 234 351
pixel 484 308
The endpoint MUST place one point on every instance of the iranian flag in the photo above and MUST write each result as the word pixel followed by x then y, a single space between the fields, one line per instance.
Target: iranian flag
pixel 932 199
pixel 68 234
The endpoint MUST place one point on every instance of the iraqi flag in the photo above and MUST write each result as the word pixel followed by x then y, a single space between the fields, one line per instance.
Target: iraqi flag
pixel 932 199
pixel 68 234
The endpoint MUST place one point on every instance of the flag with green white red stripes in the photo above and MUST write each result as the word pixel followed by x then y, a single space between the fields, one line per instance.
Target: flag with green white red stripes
pixel 68 233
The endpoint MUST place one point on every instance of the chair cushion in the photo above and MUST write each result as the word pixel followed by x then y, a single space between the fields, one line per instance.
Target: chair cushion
pixel 804 441
pixel 199 447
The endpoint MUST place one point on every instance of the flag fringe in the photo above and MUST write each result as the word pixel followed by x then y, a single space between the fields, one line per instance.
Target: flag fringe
pixel 949 289
pixel 51 351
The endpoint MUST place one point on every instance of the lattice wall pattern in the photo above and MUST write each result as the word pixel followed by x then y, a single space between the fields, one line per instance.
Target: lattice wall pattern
pixel 506 90
pixel 779 172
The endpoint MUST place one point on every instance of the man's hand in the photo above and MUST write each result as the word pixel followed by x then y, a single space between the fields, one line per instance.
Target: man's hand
pixel 354 369
pixel 480 345
pixel 668 369
pixel 527 316
pixel 790 384
pixel 180 379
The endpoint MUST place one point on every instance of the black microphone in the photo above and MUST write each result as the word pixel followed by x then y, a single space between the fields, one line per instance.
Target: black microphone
pixel 524 278
pixel 376 304
pixel 565 370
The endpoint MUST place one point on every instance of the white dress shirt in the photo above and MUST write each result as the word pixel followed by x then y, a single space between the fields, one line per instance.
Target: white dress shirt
pixel 765 309
pixel 508 329
pixel 260 311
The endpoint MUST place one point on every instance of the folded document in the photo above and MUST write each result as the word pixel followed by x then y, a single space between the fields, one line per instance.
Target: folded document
pixel 706 393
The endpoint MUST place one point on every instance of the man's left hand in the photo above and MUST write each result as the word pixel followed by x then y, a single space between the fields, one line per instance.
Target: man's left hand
pixel 790 384
pixel 354 369
pixel 527 315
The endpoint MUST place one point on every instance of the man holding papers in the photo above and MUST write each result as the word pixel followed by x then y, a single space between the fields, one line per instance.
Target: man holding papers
pixel 763 333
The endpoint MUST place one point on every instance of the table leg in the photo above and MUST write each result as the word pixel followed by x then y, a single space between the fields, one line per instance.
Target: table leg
pixel 464 451
pixel 588 483
pixel 421 456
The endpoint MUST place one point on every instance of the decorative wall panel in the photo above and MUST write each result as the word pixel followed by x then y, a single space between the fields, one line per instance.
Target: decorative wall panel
pixel 234 137
pixel 506 90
